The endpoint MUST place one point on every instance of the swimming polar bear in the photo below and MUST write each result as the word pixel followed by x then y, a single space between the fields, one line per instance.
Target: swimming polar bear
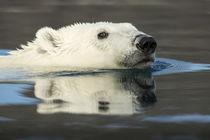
pixel 87 45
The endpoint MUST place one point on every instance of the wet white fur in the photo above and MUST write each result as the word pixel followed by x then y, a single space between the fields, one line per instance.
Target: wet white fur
pixel 77 46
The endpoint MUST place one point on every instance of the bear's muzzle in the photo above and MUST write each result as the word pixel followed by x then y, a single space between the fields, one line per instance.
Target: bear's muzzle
pixel 145 44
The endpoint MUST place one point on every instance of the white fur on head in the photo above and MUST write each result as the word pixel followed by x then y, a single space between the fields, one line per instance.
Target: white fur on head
pixel 79 46
pixel 48 39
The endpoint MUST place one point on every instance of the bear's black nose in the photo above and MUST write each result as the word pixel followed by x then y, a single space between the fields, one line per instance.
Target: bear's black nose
pixel 146 44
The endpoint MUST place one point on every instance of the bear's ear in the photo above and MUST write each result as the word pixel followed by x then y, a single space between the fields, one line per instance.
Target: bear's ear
pixel 49 35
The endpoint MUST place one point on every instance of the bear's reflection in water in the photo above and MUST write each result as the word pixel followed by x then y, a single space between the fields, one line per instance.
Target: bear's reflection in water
pixel 110 93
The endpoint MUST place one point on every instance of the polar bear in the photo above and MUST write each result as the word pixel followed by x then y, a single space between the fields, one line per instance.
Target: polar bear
pixel 87 45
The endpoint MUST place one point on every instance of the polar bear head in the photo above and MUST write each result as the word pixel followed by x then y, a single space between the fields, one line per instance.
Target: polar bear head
pixel 95 45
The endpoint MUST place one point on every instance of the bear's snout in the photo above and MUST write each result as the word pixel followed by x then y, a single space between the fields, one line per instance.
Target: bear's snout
pixel 145 43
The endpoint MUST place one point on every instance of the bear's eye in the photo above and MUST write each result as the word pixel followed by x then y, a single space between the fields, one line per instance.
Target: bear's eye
pixel 102 35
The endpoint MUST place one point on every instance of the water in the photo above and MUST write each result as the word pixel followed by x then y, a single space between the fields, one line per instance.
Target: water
pixel 169 101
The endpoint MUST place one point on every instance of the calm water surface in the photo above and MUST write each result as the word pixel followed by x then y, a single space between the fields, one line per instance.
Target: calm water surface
pixel 171 100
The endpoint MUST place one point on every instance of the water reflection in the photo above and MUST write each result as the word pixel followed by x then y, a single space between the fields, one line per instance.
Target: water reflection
pixel 110 93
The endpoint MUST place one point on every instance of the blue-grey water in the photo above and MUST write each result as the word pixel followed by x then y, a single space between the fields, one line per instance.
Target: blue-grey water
pixel 169 101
